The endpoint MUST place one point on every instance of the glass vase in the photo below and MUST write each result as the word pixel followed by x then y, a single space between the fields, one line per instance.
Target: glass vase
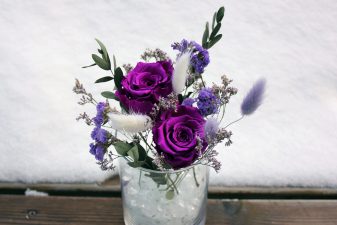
pixel 160 198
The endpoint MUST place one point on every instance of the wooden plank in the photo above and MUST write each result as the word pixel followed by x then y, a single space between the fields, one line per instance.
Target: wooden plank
pixel 85 210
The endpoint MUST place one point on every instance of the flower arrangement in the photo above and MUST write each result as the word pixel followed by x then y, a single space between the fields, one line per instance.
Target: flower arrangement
pixel 161 114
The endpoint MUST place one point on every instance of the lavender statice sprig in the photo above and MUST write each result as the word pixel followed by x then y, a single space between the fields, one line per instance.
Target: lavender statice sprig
pixel 86 97
pixel 254 98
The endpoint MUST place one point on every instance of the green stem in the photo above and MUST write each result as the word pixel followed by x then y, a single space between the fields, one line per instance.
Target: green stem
pixel 233 122
pixel 195 178
pixel 202 80
pixel 172 183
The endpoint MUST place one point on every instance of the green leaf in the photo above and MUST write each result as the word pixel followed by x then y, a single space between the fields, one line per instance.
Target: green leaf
pixel 110 95
pixel 122 148
pixel 214 40
pixel 133 153
pixel 220 14
pixel 205 36
pixel 104 51
pixel 114 62
pixel 94 64
pixel 213 20
pixel 215 31
pixel 142 153
pixel 100 62
pixel 118 78
pixel 104 79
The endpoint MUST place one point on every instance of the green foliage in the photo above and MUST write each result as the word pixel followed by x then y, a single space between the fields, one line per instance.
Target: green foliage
pixel 210 39
pixel 104 79
pixel 122 148
pixel 102 61
pixel 118 78
pixel 110 95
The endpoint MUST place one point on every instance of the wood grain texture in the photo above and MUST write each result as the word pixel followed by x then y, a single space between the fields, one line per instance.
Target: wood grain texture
pixel 85 210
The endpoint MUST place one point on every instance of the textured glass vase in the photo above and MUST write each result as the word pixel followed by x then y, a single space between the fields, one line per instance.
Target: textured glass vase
pixel 161 198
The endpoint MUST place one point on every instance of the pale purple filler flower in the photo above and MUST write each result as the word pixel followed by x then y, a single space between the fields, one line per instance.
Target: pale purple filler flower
pixel 211 128
pixel 253 98
pixel 188 101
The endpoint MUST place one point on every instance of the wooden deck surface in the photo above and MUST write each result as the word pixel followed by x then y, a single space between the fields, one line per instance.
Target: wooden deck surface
pixel 56 210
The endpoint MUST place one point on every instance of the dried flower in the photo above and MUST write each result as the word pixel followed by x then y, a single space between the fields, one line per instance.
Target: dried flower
pixel 253 98
pixel 211 128
pixel 84 116
pixel 188 101
pixel 180 72
pixel 157 54
pixel 131 123
pixel 127 67
pixel 207 102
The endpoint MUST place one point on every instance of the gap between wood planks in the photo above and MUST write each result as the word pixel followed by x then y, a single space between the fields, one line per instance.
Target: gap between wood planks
pixel 111 188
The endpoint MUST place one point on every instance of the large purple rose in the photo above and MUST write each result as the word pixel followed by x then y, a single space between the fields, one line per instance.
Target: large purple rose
pixel 144 85
pixel 176 133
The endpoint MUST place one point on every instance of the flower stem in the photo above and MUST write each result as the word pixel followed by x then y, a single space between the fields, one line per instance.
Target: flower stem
pixel 195 178
pixel 233 122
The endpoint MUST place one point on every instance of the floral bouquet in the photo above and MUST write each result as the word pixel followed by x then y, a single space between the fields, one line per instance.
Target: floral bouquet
pixel 160 115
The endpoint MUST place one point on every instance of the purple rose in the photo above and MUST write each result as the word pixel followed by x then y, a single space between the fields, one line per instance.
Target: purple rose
pixel 176 133
pixel 144 85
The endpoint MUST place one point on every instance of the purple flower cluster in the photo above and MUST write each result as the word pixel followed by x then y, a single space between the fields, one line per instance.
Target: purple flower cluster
pixel 207 102
pixel 199 57
pixel 99 135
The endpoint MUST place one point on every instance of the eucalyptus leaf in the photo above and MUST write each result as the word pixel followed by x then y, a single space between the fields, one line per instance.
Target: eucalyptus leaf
pixel 94 64
pixel 110 95
pixel 103 48
pixel 104 79
pixel 205 36
pixel 133 153
pixel 100 62
pixel 215 40
pixel 215 31
pixel 213 20
pixel 118 78
pixel 114 62
pixel 220 14
pixel 122 148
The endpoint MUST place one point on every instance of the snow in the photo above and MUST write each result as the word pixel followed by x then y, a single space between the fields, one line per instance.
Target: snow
pixel 291 140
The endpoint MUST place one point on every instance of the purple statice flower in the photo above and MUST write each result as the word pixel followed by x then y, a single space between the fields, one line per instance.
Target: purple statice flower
pixel 207 102
pixel 253 98
pixel 98 151
pixel 99 118
pixel 199 55
pixel 100 135
pixel 200 58
pixel 211 128
pixel 188 101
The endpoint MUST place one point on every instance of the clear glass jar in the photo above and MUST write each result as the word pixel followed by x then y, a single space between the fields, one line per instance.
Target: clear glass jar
pixel 161 198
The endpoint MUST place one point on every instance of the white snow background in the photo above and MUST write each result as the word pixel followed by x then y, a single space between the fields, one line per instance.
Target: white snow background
pixel 290 141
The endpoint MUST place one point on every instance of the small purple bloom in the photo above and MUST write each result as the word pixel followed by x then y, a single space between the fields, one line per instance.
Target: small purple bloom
pixel 98 151
pixel 211 127
pixel 188 101
pixel 99 118
pixel 253 98
pixel 199 55
pixel 207 102
pixel 100 135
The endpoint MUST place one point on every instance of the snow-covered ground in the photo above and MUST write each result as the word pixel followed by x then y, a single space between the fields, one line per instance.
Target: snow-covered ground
pixel 291 140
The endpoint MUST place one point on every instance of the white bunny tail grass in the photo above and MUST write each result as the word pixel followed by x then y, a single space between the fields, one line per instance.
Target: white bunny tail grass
pixel 180 73
pixel 130 123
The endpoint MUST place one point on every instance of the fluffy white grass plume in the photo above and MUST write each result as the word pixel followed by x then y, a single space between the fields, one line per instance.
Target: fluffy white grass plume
pixel 131 123
pixel 180 73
